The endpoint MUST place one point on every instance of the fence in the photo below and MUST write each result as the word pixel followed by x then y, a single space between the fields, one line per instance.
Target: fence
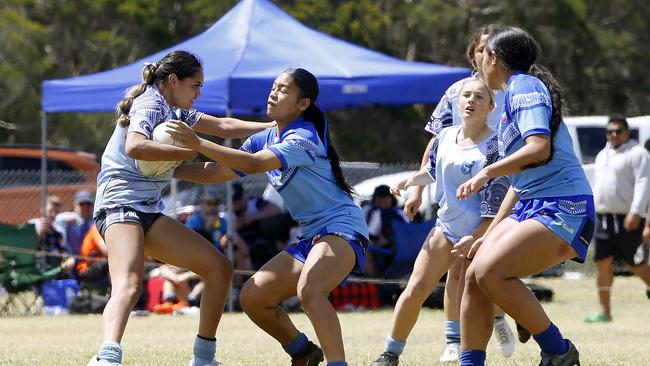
pixel 20 190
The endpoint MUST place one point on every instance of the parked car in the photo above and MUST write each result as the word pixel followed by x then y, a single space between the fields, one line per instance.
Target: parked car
pixel 68 171
pixel 589 137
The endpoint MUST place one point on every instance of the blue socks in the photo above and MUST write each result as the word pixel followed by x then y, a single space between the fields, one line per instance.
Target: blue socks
pixel 204 350
pixel 551 341
pixel 452 331
pixel 337 363
pixel 472 358
pixel 110 351
pixel 296 345
pixel 394 346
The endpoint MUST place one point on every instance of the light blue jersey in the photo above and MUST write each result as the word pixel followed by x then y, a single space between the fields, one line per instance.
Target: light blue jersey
pixel 306 182
pixel 527 112
pixel 120 183
pixel 447 114
pixel 451 165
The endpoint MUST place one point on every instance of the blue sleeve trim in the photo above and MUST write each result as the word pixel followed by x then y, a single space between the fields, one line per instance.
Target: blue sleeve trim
pixel 536 131
pixel 239 173
pixel 280 156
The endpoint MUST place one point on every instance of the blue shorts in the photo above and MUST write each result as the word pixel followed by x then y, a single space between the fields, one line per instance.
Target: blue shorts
pixel 300 249
pixel 571 218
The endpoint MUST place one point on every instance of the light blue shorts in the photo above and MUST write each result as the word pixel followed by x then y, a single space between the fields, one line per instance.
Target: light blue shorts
pixel 571 218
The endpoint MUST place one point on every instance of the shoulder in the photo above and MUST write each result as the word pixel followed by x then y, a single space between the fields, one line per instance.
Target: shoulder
pixel 527 91
pixel 302 131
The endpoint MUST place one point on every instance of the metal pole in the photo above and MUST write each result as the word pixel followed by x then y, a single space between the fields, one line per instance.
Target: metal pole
pixel 230 231
pixel 43 163
pixel 173 191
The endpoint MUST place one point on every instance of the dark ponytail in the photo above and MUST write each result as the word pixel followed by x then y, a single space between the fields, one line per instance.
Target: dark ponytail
pixel 518 51
pixel 308 85
pixel 182 63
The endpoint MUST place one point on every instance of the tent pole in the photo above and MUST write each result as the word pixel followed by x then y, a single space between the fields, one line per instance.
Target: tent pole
pixel 230 231
pixel 43 163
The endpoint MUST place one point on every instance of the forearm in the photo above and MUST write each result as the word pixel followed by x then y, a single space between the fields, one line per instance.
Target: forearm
pixel 532 152
pixel 231 158
pixel 209 173
pixel 419 179
pixel 143 149
pixel 483 227
pixel 227 127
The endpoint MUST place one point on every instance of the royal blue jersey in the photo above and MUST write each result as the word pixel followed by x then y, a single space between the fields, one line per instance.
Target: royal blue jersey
pixel 527 112
pixel 306 182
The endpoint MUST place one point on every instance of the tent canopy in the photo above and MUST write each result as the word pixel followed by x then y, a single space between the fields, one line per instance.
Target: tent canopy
pixel 246 49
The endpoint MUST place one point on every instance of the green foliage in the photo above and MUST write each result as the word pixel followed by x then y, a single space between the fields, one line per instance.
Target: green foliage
pixel 598 50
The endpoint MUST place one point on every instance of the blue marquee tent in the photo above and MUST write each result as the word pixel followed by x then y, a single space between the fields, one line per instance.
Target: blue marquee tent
pixel 245 50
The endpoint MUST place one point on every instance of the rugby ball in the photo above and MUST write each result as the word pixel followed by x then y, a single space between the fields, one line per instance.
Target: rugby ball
pixel 158 168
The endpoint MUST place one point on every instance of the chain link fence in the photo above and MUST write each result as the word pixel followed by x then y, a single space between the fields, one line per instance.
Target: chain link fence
pixel 20 190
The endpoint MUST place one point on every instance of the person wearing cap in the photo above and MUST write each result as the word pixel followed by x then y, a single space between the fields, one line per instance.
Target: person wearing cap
pixel 379 213
pixel 621 197
pixel 77 224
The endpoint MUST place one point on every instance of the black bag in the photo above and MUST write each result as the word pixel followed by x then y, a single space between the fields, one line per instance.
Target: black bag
pixel 87 302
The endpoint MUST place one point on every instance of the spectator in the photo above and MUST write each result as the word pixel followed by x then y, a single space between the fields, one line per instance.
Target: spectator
pixel 50 234
pixel 92 271
pixel 77 224
pixel 621 195
pixel 177 289
pixel 379 214
pixel 208 221
pixel 260 223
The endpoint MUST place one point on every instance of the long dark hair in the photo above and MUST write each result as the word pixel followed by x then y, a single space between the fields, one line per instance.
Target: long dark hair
pixel 518 51
pixel 182 63
pixel 476 39
pixel 308 85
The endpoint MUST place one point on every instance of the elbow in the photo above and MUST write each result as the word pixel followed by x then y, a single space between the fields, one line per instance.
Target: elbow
pixel 133 150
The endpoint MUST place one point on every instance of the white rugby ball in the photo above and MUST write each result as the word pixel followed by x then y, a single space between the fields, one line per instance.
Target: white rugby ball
pixel 158 168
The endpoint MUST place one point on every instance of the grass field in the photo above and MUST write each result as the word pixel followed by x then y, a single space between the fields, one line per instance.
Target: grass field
pixel 167 340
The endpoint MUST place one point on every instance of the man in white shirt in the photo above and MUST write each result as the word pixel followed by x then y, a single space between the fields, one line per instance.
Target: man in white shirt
pixel 621 199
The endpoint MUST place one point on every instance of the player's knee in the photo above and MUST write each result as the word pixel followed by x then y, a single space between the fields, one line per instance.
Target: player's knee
pixel 248 298
pixel 418 290
pixel 309 294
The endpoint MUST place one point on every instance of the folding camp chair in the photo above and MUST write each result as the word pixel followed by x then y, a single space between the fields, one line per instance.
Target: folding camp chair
pixel 20 273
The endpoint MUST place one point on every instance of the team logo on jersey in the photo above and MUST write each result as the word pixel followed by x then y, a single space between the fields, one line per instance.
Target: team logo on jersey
pixel 466 167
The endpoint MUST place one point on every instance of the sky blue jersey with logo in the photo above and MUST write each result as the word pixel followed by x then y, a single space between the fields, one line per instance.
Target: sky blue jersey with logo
pixel 120 183
pixel 527 112
pixel 306 182
pixel 451 165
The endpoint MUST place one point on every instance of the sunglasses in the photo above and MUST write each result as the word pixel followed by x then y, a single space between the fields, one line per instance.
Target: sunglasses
pixel 617 131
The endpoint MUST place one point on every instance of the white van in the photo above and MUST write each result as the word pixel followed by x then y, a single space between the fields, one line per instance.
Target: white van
pixel 589 137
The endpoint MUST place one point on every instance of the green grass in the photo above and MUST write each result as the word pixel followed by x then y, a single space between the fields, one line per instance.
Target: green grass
pixel 167 340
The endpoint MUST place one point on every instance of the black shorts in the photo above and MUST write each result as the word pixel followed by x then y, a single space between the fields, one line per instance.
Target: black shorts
pixel 612 240
pixel 107 217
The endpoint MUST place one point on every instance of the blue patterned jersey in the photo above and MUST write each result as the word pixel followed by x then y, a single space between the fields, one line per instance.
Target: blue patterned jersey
pixel 447 114
pixel 451 165
pixel 306 182
pixel 527 112
pixel 119 182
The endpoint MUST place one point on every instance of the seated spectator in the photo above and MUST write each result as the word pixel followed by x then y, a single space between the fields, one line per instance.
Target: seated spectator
pixel 93 272
pixel 261 224
pixel 77 224
pixel 178 289
pixel 379 213
pixel 208 221
pixel 51 235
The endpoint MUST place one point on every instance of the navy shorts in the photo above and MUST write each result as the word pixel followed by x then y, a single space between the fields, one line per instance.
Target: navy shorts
pixel 300 249
pixel 110 216
pixel 612 240
pixel 571 218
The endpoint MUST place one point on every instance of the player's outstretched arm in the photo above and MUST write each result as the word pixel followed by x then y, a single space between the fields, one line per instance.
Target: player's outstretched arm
pixel 229 127
pixel 208 173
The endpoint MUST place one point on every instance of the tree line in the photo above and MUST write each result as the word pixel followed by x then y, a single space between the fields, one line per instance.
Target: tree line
pixel 598 50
